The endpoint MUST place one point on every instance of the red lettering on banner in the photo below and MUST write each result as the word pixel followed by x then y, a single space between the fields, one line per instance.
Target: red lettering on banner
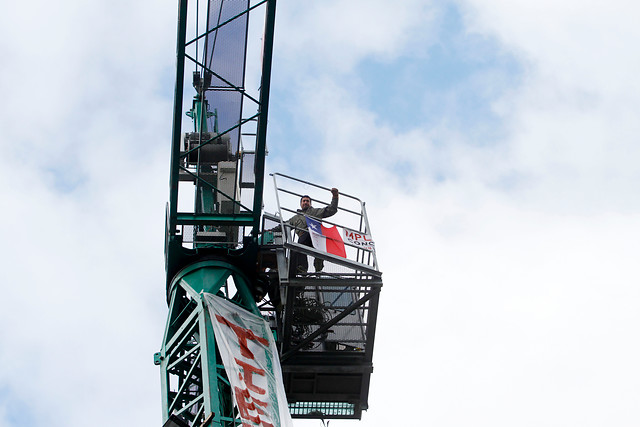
pixel 355 237
pixel 248 403
pixel 249 370
pixel 243 335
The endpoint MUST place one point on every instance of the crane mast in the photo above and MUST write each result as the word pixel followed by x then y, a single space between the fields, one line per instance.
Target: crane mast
pixel 215 200
pixel 219 243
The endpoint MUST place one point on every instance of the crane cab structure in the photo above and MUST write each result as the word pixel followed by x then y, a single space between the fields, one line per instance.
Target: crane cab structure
pixel 218 241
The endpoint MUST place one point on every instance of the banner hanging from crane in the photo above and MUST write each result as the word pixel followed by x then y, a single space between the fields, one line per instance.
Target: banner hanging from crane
pixel 251 361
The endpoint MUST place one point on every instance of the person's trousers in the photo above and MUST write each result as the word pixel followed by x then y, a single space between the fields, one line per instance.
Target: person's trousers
pixel 298 263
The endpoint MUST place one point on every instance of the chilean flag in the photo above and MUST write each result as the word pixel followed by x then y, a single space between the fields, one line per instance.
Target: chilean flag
pixel 326 239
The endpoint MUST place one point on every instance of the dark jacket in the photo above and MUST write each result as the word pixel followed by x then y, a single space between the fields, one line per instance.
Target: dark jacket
pixel 300 223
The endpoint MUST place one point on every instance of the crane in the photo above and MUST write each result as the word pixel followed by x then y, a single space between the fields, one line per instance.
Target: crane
pixel 221 246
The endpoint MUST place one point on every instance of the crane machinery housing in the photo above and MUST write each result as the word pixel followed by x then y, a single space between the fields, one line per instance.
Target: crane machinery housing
pixel 218 240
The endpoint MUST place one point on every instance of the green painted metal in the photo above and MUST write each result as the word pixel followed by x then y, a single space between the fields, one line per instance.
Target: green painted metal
pixel 261 142
pixel 194 384
pixel 199 113
pixel 211 244
pixel 206 212
pixel 222 24
pixel 217 219
pixel 177 119
pixel 210 275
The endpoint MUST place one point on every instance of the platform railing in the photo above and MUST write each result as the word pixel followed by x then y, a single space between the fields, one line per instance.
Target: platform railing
pixel 325 321
pixel 351 220
pixel 329 310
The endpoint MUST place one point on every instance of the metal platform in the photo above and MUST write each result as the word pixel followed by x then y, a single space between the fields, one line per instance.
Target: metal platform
pixel 326 320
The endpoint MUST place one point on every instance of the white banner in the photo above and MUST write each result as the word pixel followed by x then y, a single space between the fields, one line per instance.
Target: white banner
pixel 251 360
pixel 361 240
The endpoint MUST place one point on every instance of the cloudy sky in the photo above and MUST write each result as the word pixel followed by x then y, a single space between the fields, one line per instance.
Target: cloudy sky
pixel 496 145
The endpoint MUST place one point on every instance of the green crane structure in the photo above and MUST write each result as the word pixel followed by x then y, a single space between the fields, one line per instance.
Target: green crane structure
pixel 218 240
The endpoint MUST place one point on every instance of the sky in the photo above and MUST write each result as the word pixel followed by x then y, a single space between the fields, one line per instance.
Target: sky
pixel 496 146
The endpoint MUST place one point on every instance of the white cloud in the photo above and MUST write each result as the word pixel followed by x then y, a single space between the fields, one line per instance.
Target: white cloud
pixel 335 36
pixel 572 125
pixel 85 147
pixel 516 274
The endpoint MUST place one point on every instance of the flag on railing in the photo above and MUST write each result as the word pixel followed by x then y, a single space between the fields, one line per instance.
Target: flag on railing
pixel 326 239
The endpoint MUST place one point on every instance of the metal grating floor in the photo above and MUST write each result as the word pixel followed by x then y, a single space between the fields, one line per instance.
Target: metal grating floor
pixel 322 409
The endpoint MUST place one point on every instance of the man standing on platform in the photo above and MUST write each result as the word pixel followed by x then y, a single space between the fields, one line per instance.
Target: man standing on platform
pixel 298 263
